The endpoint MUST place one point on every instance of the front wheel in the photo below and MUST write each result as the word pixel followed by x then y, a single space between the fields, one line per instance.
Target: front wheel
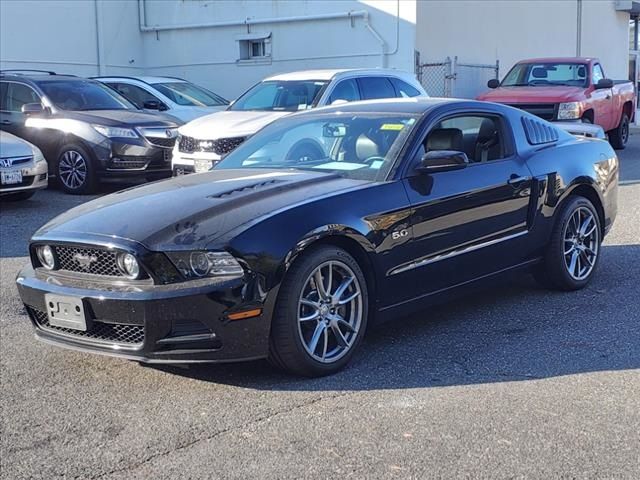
pixel 75 170
pixel 620 136
pixel 321 313
pixel 572 254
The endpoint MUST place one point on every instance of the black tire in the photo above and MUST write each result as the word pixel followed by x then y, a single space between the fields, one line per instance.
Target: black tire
pixel 17 197
pixel 286 348
pixel 620 135
pixel 82 181
pixel 553 272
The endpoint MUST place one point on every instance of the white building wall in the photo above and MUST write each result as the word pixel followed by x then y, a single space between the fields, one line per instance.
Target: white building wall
pixel 62 35
pixel 209 56
pixel 490 30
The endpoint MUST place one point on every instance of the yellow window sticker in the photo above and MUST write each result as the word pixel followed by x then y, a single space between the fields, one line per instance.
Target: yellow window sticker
pixel 392 126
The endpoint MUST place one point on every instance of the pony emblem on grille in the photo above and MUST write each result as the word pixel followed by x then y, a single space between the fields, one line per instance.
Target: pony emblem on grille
pixel 84 261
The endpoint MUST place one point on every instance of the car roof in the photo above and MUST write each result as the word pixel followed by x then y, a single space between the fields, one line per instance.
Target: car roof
pixel 146 79
pixel 558 60
pixel 412 105
pixel 329 74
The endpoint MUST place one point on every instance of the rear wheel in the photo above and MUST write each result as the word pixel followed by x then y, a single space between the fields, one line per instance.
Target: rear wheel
pixel 574 250
pixel 75 170
pixel 321 313
pixel 620 136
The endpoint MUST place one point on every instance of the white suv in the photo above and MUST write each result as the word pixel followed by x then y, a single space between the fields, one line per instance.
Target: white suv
pixel 204 141
pixel 175 96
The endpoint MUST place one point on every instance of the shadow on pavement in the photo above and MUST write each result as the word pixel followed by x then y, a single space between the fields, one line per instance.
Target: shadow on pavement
pixel 508 333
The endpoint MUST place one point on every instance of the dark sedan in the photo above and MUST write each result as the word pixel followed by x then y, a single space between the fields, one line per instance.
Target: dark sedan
pixel 292 260
pixel 86 131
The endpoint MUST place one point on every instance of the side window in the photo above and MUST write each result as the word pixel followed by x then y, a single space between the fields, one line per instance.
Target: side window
pixel 480 137
pixel 134 94
pixel 18 95
pixel 403 89
pixel 345 90
pixel 376 87
pixel 597 73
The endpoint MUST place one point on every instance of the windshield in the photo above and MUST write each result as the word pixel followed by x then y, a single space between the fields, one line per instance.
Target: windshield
pixel 354 145
pixel 546 74
pixel 280 96
pixel 84 95
pixel 185 93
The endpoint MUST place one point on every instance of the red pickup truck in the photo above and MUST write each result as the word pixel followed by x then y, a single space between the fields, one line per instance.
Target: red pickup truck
pixel 561 89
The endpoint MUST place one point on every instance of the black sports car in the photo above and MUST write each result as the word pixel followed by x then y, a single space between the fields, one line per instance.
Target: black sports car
pixel 291 260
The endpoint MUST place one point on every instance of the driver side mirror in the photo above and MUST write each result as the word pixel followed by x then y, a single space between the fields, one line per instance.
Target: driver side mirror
pixel 493 83
pixel 604 83
pixel 154 105
pixel 33 108
pixel 442 161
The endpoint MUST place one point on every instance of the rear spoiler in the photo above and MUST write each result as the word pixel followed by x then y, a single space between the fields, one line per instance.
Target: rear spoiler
pixel 580 129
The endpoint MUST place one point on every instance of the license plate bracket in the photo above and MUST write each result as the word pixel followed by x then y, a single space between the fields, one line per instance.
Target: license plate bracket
pixel 66 312
pixel 11 177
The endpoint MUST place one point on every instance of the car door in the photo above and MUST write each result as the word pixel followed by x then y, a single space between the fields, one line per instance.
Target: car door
pixel 13 95
pixel 469 222
pixel 345 90
pixel 602 100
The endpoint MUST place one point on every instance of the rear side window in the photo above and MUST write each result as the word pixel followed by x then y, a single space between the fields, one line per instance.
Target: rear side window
pixel 345 90
pixel 404 89
pixel 376 87
pixel 15 95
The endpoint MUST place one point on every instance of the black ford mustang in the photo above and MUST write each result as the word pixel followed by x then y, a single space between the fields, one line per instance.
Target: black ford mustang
pixel 291 257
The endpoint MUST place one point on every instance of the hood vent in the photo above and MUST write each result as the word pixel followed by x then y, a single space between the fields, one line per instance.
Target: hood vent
pixel 246 188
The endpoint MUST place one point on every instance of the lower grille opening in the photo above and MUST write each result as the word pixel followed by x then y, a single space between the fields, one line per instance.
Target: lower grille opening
pixel 100 331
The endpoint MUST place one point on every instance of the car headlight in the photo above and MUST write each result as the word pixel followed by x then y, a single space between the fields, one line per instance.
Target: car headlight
pixel 37 155
pixel 116 132
pixel 569 111
pixel 46 256
pixel 128 265
pixel 201 264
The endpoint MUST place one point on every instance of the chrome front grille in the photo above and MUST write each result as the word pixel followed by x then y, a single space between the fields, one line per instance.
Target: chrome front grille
pixel 9 162
pixel 94 261
pixel 162 142
pixel 100 331
pixel 221 146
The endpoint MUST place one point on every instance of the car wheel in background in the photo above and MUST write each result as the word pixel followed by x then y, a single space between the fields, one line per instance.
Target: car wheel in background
pixel 573 253
pixel 619 137
pixel 321 313
pixel 75 170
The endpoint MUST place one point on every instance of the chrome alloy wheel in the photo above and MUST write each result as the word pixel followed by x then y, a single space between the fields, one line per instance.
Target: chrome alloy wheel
pixel 330 311
pixel 581 243
pixel 72 169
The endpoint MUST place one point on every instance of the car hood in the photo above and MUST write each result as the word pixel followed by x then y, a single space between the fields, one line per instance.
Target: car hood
pixel 12 146
pixel 229 123
pixel 118 118
pixel 533 94
pixel 191 211
pixel 188 114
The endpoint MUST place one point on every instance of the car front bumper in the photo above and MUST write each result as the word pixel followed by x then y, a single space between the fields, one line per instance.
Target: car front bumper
pixel 118 159
pixel 34 177
pixel 196 162
pixel 176 323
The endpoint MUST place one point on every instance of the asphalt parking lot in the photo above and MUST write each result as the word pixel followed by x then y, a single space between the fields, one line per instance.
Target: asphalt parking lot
pixel 511 382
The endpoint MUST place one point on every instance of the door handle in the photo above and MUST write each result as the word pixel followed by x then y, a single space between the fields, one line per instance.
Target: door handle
pixel 516 180
pixel 6 122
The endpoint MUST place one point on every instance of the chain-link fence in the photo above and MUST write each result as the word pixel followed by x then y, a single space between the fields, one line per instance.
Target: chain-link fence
pixel 451 78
